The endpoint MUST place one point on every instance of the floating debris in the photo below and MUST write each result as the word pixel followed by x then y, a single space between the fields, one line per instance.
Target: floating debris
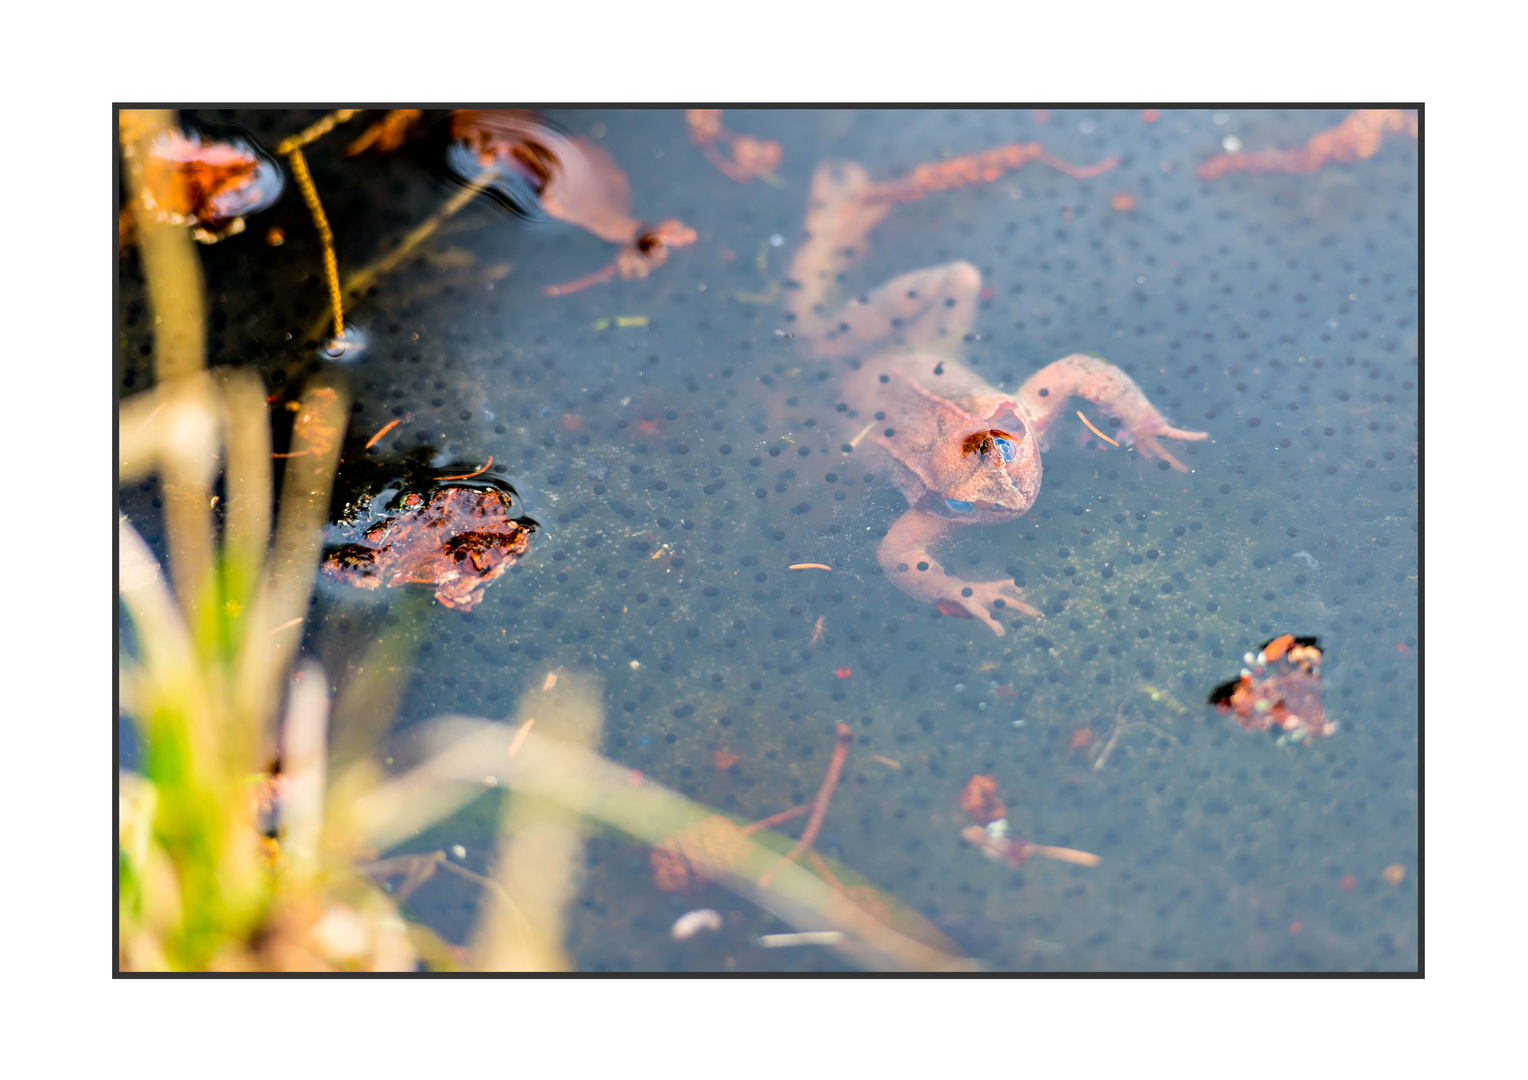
pixel 1280 688
pixel 535 167
pixel 995 843
pixel 192 179
pixel 1358 137
pixel 693 922
pixel 750 157
pixel 381 433
pixel 388 132
pixel 809 937
pixel 981 803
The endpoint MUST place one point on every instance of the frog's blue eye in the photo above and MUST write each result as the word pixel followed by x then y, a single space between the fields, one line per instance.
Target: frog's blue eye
pixel 1007 448
pixel 958 506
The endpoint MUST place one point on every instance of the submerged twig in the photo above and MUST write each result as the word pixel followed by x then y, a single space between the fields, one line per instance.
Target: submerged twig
pixel 1094 430
pixel 315 131
pixel 381 433
pixel 776 819
pixel 420 868
pixel 1120 727
pixel 819 804
pixel 468 476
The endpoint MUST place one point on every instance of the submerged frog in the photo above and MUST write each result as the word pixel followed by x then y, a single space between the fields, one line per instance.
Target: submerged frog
pixel 458 539
pixel 961 451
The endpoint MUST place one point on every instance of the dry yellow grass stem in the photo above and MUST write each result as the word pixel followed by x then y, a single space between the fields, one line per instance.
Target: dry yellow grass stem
pixel 315 131
pixel 541 846
pixel 172 271
pixel 246 478
pixel 293 563
pixel 325 236
pixel 470 755
pixel 368 696
pixel 357 283
pixel 188 436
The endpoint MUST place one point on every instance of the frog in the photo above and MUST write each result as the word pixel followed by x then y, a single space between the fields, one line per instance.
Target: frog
pixel 960 451
pixel 458 538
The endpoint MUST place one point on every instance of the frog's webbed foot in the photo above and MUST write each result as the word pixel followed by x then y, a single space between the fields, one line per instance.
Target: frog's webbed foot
pixel 986 596
pixel 1146 434
pixel 906 558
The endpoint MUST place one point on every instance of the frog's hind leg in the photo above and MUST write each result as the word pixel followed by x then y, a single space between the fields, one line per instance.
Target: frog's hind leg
pixel 926 311
pixel 838 224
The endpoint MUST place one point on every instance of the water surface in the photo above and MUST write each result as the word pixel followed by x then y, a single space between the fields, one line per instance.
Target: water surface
pixel 1276 312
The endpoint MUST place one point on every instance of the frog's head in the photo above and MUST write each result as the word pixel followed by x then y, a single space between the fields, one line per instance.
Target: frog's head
pixel 978 470
pixel 989 476
pixel 973 460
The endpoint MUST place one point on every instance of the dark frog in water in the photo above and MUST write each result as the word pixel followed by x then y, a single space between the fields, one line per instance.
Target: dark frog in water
pixel 456 537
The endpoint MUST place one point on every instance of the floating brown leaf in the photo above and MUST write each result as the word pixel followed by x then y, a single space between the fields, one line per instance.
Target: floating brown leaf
pixel 574 180
pixel 191 180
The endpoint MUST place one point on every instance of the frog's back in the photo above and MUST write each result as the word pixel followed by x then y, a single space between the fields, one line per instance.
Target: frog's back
pixel 871 388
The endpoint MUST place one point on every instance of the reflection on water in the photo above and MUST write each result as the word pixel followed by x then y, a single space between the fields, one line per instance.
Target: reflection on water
pixel 683 444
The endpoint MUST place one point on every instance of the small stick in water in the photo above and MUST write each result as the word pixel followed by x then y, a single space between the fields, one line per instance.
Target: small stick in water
pixel 469 476
pixel 1094 430
pixel 384 430
pixel 819 804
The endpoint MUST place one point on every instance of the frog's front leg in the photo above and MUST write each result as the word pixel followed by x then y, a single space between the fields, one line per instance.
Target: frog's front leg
pixel 904 555
pixel 1043 397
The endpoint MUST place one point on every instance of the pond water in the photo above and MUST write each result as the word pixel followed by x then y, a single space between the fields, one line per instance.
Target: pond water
pixel 681 447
